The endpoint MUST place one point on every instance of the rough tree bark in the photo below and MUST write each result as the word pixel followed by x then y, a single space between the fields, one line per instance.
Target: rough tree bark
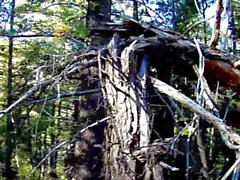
pixel 124 87
pixel 123 71
pixel 98 13
pixel 88 157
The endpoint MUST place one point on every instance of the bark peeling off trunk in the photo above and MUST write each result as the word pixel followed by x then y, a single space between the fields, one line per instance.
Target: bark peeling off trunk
pixel 125 92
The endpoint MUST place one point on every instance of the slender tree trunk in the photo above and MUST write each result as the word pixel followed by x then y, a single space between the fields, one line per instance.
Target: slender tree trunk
pixel 204 7
pixel 232 29
pixel 135 10
pixel 174 15
pixel 216 30
pixel 10 126
pixel 202 154
pixel 53 157
pixel 227 17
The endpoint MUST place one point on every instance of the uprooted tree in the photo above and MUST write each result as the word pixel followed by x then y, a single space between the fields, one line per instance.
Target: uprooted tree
pixel 158 117
pixel 137 78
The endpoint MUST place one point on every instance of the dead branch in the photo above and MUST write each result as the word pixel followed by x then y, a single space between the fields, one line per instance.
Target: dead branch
pixel 197 23
pixel 68 94
pixel 24 97
pixel 59 145
pixel 194 107
pixel 231 169
pixel 167 166
pixel 67 72
pixel 186 46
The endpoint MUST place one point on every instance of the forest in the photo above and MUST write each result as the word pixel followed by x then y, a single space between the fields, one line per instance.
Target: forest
pixel 119 90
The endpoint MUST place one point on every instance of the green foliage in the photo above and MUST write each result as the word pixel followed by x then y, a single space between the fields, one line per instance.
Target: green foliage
pixel 38 128
pixel 187 15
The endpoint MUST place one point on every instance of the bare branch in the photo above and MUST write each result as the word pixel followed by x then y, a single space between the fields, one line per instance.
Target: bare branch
pixel 68 140
pixel 80 41
pixel 197 23
pixel 167 166
pixel 64 4
pixel 67 71
pixel 24 97
pixel 68 94
pixel 26 35
pixel 231 169
pixel 196 108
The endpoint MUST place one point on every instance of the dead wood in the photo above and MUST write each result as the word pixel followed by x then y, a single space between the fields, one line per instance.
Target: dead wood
pixel 194 107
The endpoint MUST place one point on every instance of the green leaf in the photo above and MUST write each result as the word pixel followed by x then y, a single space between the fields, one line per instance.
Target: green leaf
pixel 12 32
pixel 11 22
pixel 37 8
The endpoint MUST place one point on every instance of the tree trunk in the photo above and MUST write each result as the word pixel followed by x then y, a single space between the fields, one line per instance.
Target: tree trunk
pixel 204 8
pixel 216 30
pixel 135 10
pixel 173 15
pixel 87 159
pixel 232 29
pixel 98 13
pixel 125 90
pixel 54 140
pixel 10 126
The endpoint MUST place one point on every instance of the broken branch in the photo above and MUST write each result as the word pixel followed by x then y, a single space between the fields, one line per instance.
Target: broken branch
pixel 196 108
